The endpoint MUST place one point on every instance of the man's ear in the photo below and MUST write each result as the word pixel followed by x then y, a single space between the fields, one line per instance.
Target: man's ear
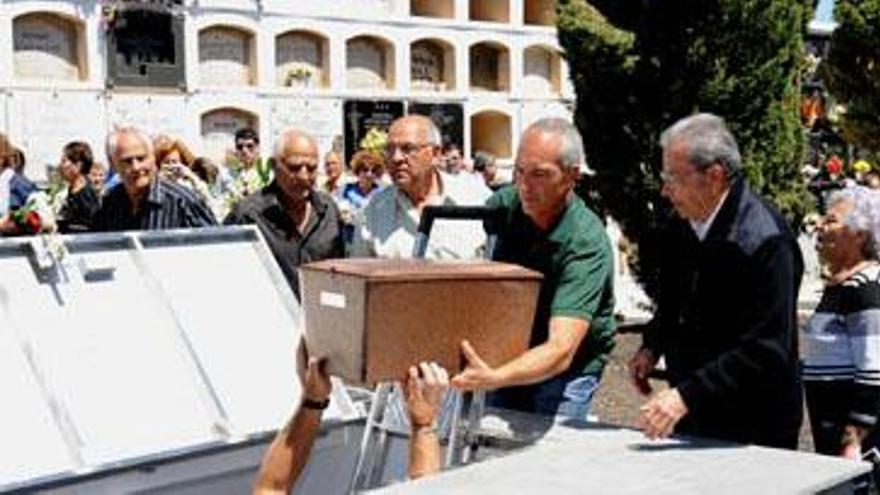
pixel 574 174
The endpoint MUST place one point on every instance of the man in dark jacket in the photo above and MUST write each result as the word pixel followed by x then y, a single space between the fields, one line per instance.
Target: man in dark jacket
pixel 726 313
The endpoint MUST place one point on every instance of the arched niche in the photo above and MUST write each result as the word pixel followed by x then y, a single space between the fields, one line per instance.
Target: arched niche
pixel 48 46
pixel 489 67
pixel 432 8
pixel 489 10
pixel 227 57
pixel 145 47
pixel 432 65
pixel 540 12
pixel 491 131
pixel 541 71
pixel 218 129
pixel 302 60
pixel 369 63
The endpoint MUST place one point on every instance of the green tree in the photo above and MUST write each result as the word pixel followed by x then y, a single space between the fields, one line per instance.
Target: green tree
pixel 639 65
pixel 851 71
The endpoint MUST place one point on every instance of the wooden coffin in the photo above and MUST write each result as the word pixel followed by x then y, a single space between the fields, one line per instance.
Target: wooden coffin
pixel 373 318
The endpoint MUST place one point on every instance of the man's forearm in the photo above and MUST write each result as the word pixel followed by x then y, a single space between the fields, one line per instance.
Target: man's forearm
pixel 424 451
pixel 288 453
pixel 535 365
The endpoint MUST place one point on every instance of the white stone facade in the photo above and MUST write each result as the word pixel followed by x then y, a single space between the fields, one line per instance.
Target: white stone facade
pixel 279 63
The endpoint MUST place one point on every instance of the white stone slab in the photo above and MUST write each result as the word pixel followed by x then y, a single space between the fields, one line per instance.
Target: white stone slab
pixel 321 118
pixel 590 458
pixel 41 122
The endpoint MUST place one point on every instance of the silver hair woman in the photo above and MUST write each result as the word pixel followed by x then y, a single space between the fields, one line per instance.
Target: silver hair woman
pixel 842 338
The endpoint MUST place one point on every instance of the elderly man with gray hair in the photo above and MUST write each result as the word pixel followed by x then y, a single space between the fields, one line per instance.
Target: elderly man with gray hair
pixel 142 200
pixel 300 223
pixel 387 226
pixel 547 228
pixel 726 312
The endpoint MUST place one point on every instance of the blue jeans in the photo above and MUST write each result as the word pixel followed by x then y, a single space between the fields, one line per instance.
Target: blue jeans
pixel 568 395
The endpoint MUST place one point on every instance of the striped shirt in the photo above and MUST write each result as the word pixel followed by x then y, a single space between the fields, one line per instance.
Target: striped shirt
pixel 842 340
pixel 168 206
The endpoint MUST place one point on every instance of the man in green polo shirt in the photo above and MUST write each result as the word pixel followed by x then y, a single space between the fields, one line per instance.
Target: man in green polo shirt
pixel 549 229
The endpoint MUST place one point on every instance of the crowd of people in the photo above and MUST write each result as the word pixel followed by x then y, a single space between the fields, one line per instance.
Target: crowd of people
pixel 725 320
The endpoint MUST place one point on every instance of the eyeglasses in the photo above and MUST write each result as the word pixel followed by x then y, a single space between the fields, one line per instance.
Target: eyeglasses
pixel 671 179
pixel 242 146
pixel 296 167
pixel 406 149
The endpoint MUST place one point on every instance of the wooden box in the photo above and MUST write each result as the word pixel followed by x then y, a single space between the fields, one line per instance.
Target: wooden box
pixel 373 318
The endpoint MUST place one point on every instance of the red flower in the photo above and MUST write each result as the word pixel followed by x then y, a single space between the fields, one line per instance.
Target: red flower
pixel 33 222
pixel 834 165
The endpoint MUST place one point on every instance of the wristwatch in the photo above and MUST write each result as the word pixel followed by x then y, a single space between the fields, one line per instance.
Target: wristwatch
pixel 317 405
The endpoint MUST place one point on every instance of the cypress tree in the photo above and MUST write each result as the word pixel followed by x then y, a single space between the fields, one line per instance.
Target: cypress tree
pixel 851 71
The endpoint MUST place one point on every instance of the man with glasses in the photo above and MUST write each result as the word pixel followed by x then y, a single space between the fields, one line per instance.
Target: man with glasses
pixel 300 223
pixel 387 226
pixel 247 147
pixel 726 312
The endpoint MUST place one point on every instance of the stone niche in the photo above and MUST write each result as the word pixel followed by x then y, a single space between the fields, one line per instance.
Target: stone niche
pixel 491 131
pixel 301 60
pixel 218 130
pixel 432 8
pixel 490 67
pixel 226 57
pixel 489 10
pixel 541 68
pixel 145 49
pixel 432 66
pixel 369 63
pixel 540 13
pixel 48 46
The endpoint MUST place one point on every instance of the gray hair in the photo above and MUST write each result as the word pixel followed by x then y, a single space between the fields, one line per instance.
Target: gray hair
pixel 864 217
pixel 434 138
pixel 708 141
pixel 571 156
pixel 288 134
pixel 112 143
pixel 483 160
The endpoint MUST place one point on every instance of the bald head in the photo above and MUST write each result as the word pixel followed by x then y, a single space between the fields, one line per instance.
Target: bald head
pixel 294 142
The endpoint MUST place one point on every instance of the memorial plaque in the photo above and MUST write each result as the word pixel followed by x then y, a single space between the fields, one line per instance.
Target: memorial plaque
pixel 224 57
pixel 359 116
pixel 299 60
pixel 448 117
pixel 45 47
pixel 218 131
pixel 366 65
pixel 427 67
pixel 373 318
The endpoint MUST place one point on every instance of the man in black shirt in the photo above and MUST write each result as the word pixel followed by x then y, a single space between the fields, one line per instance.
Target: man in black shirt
pixel 143 201
pixel 300 223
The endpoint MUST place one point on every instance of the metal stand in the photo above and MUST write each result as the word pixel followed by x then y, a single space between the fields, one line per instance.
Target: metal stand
pixel 372 449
